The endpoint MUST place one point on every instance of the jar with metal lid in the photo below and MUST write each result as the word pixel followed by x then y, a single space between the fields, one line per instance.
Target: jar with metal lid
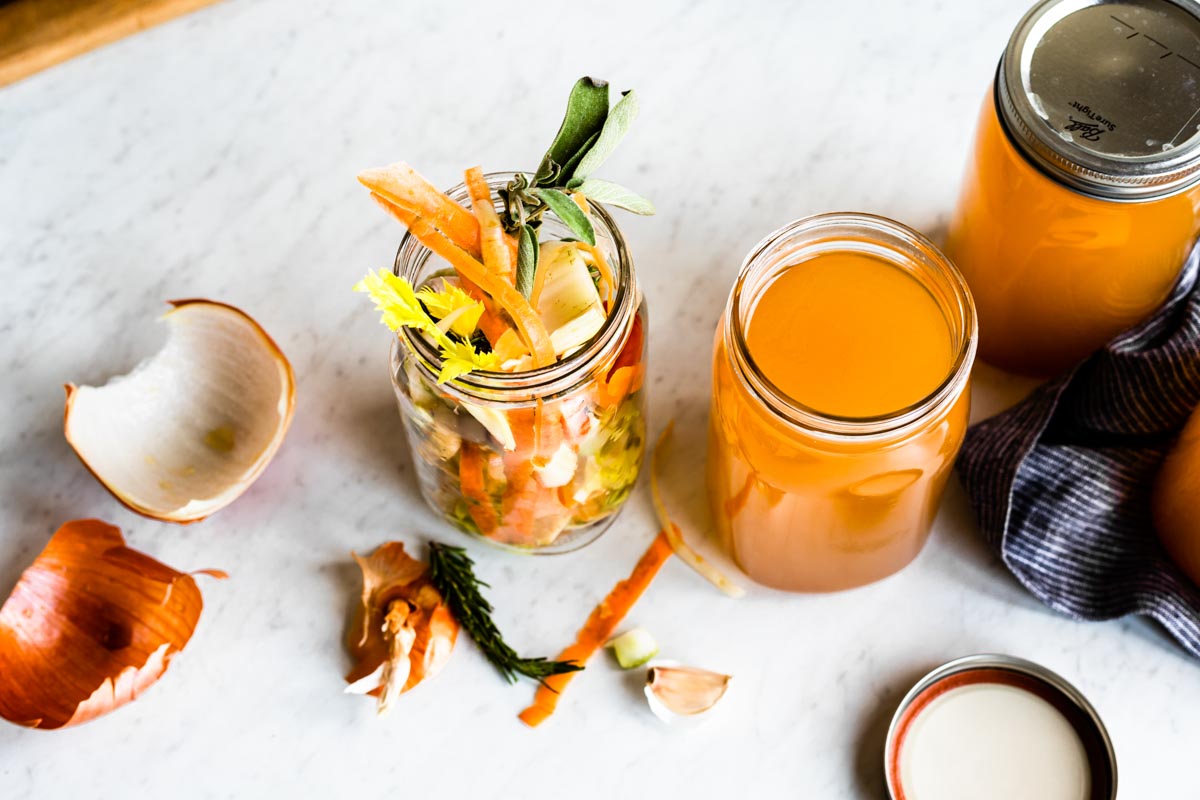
pixel 841 373
pixel 1082 195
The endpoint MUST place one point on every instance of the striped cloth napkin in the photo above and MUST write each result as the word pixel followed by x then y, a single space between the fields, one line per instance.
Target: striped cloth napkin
pixel 1061 482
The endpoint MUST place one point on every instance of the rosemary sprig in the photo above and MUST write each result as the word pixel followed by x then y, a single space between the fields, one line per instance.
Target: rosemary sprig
pixel 453 575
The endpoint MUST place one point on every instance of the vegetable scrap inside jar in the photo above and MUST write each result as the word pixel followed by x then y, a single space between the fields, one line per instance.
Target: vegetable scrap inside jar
pixel 527 284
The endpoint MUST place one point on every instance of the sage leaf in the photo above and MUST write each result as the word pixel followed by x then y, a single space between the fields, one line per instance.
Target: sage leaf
pixel 527 259
pixel 569 167
pixel 566 210
pixel 547 173
pixel 614 194
pixel 514 207
pixel 615 127
pixel 587 109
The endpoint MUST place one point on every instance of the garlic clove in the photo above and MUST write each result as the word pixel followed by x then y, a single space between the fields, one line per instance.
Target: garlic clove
pixel 683 691
pixel 194 425
pixel 90 625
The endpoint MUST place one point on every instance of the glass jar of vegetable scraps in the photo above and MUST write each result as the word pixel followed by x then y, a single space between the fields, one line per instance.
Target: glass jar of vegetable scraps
pixel 539 460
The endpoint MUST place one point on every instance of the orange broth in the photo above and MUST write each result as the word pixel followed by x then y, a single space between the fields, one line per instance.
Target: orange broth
pixel 844 335
pixel 1055 273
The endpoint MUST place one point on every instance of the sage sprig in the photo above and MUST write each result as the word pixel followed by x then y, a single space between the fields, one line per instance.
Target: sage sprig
pixel 566 210
pixel 589 134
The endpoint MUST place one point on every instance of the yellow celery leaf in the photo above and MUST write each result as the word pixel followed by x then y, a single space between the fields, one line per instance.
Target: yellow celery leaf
pixel 459 358
pixel 451 300
pixel 397 302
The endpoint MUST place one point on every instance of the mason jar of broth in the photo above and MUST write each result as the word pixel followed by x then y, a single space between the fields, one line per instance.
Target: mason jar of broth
pixel 841 372
pixel 1080 201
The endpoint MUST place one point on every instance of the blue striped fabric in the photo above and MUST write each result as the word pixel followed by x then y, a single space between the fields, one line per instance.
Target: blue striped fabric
pixel 1061 482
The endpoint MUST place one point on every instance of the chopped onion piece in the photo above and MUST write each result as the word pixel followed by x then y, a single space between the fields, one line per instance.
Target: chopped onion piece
pixel 634 648
pixel 494 421
pixel 569 303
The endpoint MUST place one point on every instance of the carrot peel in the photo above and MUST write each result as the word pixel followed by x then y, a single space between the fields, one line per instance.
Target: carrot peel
pixel 599 628
pixel 489 322
pixel 529 324
pixel 403 186
pixel 470 476
pixel 493 242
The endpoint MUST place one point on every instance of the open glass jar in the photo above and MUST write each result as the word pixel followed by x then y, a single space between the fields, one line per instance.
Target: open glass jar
pixel 820 498
pixel 538 461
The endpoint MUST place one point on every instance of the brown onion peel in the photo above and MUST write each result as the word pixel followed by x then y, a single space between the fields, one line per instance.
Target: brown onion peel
pixel 90 625
pixel 403 633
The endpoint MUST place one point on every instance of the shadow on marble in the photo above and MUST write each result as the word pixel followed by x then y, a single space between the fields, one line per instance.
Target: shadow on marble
pixel 1149 630
pixel 958 539
pixel 633 681
pixel 345 577
pixel 871 737
pixel 371 429
pixel 993 390
pixel 51 488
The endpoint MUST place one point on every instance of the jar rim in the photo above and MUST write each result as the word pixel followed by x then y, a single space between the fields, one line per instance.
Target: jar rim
pixel 546 381
pixel 892 241
pixel 1031 101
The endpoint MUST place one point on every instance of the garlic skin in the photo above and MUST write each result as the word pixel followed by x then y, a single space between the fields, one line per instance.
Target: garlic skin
pixel 194 425
pixel 683 692
pixel 403 632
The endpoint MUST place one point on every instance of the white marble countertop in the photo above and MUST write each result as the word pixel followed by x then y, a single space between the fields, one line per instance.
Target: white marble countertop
pixel 215 156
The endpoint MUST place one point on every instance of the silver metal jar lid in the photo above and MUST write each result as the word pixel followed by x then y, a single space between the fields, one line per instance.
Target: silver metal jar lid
pixel 1105 96
pixel 1022 674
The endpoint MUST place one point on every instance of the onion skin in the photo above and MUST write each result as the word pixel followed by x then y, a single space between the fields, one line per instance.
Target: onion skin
pixel 244 482
pixel 90 625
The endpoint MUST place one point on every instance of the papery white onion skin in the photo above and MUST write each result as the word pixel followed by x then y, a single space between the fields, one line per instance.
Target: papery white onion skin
pixel 194 425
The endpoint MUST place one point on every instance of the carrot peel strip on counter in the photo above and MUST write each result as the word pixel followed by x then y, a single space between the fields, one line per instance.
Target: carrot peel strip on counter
pixel 599 628
pixel 674 535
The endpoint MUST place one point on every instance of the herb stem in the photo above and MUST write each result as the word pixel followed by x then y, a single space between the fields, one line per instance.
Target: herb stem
pixel 453 575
